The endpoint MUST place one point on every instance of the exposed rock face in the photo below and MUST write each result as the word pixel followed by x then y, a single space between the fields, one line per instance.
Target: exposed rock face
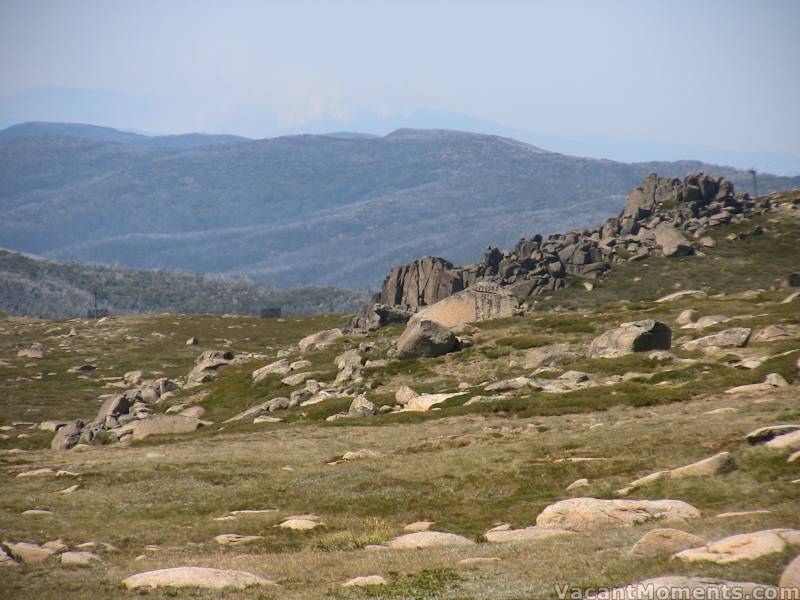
pixel 421 283
pixel 200 577
pixel 589 514
pixel 638 336
pixel 735 337
pixel 480 302
pixel 164 425
pixel 425 339
pixel 659 217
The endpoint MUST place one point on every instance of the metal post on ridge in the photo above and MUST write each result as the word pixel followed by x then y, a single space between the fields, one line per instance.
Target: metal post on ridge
pixel 755 183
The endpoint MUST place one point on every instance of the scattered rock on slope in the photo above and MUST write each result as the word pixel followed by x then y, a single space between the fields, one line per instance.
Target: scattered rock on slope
pixel 745 546
pixel 428 539
pixel 734 337
pixel 638 336
pixel 425 339
pixel 66 437
pixel 667 541
pixel 361 407
pixel 319 340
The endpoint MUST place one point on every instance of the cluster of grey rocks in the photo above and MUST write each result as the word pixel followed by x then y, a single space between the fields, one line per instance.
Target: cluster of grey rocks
pixel 130 415
pixel 665 216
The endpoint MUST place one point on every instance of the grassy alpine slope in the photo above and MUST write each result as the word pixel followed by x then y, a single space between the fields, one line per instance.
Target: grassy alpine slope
pixel 466 466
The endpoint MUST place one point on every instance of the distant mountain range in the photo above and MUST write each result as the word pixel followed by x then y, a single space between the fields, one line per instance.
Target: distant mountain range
pixel 333 210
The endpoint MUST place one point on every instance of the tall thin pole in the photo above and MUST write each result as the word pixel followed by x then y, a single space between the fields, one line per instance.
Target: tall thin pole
pixel 755 183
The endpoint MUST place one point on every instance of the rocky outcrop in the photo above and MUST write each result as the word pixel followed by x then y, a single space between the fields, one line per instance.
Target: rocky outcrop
pixel 480 302
pixel 660 217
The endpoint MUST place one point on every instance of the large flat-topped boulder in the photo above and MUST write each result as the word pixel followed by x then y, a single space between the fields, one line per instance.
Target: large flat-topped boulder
pixel 199 577
pixel 164 425
pixel 428 539
pixel 481 302
pixel 592 514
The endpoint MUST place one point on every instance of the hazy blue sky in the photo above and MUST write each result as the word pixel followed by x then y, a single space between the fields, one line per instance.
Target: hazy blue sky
pixel 719 73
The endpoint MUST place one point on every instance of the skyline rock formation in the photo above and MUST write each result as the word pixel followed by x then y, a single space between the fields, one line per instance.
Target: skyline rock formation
pixel 660 218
